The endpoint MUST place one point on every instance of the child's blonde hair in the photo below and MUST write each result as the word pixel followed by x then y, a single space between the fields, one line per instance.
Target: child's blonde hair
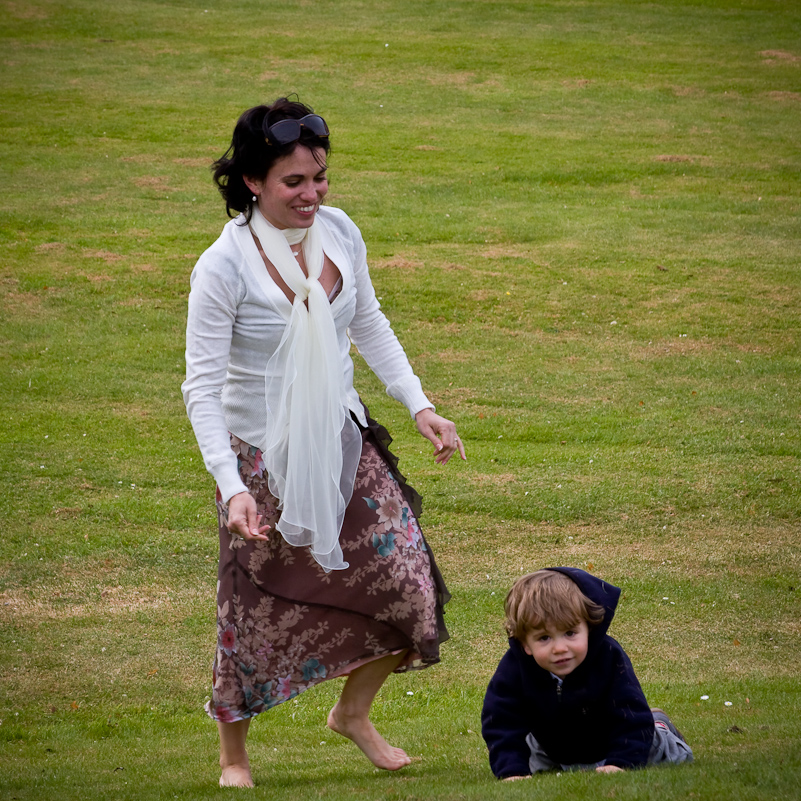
pixel 548 598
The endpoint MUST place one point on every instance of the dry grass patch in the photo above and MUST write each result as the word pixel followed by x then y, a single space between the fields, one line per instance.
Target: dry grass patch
pixel 452 356
pixel 490 480
pixel 673 347
pixel 453 398
pixel 67 512
pixel 106 255
pixel 25 11
pixel 27 302
pixel 577 83
pixel 775 56
pixel 200 163
pixel 73 597
pixel 157 182
pixel 95 278
pixel 785 97
pixel 104 589
pixel 397 263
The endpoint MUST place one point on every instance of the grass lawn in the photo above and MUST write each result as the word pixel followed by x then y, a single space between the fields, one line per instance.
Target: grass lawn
pixel 582 219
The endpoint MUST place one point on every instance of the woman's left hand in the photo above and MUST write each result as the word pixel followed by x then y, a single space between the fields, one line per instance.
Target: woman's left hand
pixel 442 433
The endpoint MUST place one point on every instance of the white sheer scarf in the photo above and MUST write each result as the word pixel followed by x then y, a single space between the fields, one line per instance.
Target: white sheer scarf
pixel 312 445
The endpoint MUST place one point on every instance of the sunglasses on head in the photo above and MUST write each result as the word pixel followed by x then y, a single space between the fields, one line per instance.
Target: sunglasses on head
pixel 285 132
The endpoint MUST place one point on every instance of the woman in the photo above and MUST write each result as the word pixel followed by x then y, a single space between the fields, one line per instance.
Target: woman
pixel 343 584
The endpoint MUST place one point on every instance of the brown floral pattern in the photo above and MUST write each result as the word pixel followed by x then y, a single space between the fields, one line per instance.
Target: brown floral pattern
pixel 284 624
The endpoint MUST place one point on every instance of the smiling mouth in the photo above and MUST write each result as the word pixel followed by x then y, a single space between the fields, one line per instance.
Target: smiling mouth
pixel 304 209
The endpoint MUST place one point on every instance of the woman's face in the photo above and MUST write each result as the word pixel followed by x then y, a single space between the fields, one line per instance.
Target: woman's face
pixel 293 189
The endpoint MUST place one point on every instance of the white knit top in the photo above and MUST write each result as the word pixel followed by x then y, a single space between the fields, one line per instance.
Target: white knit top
pixel 237 315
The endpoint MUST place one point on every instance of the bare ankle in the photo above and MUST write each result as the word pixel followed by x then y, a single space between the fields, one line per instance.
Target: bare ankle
pixel 234 762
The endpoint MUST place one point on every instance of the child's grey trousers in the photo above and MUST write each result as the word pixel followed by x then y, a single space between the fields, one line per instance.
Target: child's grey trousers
pixel 668 747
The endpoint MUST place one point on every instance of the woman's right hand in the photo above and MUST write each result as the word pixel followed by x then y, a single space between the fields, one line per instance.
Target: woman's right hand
pixel 243 519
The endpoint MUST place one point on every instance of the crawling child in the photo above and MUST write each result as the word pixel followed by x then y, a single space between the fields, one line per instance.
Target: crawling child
pixel 565 695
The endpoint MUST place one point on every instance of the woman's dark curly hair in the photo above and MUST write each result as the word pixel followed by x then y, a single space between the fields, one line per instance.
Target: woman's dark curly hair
pixel 250 155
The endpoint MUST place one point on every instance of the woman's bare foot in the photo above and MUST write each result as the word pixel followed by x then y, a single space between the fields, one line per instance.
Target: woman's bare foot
pixel 236 776
pixel 362 732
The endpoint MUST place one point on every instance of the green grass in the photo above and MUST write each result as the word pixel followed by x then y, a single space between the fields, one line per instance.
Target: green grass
pixel 583 221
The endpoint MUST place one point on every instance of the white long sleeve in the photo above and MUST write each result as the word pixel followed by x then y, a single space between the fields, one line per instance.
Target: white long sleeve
pixel 236 318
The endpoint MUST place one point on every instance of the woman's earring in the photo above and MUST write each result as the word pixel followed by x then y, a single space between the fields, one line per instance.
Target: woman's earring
pixel 254 199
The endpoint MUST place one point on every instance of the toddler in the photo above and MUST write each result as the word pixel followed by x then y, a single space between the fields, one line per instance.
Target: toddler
pixel 565 695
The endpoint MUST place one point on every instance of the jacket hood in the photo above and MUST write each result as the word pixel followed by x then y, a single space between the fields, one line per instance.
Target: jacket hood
pixel 597 590
pixel 601 592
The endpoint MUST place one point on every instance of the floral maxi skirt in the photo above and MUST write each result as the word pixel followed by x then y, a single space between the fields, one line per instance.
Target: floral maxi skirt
pixel 284 624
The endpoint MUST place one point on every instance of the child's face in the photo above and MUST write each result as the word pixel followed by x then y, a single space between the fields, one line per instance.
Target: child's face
pixel 558 651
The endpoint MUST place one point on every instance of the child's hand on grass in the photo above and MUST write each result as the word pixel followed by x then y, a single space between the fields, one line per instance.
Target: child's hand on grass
pixel 609 769
pixel 515 778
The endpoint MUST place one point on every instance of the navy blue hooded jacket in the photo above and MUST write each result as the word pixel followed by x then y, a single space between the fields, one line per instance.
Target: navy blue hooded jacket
pixel 599 713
